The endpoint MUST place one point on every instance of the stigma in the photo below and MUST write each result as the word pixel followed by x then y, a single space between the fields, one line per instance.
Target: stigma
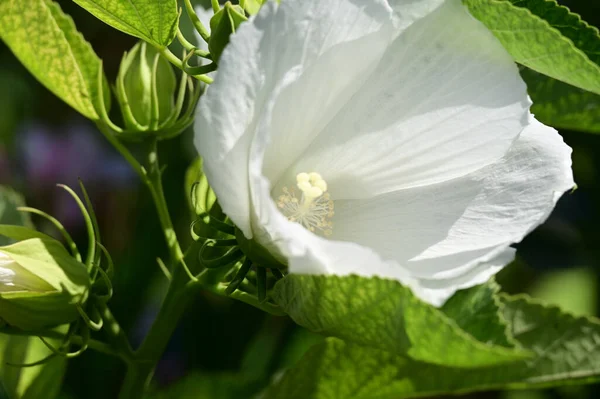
pixel 312 206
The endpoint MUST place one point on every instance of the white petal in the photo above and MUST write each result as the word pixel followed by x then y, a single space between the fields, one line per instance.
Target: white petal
pixel 436 292
pixel 445 100
pixel 14 278
pixel 257 63
pixel 517 194
pixel 406 11
pixel 344 41
pixel 441 231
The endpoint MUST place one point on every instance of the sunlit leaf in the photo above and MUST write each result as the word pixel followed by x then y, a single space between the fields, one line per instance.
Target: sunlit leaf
pixel 566 348
pixel 385 315
pixel 47 42
pixel 154 21
pixel 544 37
pixel 561 105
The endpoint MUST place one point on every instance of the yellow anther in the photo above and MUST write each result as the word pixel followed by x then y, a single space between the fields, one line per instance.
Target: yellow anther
pixel 302 177
pixel 313 209
pixel 304 186
pixel 321 184
pixel 313 192
pixel 314 176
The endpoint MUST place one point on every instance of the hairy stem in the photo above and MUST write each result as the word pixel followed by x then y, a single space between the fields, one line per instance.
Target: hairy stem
pixel 178 295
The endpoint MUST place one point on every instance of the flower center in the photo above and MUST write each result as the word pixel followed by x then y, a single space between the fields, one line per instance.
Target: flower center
pixel 312 207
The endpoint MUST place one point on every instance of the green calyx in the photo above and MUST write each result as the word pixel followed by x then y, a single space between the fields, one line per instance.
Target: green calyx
pixel 151 100
pixel 43 286
pixel 259 255
pixel 222 25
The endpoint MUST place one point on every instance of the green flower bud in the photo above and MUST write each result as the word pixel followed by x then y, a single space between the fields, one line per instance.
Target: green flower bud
pixel 151 100
pixel 222 25
pixel 146 87
pixel 40 284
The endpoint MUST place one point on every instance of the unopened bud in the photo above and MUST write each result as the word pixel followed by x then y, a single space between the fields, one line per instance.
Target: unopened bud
pixel 146 87
pixel 41 285
pixel 222 25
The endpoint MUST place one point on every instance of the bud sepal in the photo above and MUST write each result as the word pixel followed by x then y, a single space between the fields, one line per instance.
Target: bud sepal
pixel 222 25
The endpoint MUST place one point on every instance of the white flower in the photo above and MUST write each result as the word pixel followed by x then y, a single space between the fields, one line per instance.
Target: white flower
pixel 426 163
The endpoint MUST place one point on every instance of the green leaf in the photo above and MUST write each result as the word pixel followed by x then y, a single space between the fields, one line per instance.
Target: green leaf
pixel 39 382
pixel 477 311
pixel 48 44
pixel 9 202
pixel 566 348
pixel 584 36
pixel 561 105
pixel 154 21
pixel 385 315
pixel 548 38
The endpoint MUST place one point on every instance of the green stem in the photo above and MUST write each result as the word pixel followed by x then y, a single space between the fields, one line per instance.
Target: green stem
pixel 172 58
pixel 204 33
pixel 115 333
pixel 249 299
pixel 154 183
pixel 139 376
pixel 178 295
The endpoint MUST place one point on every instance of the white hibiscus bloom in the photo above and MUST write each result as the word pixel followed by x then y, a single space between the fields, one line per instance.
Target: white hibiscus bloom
pixel 379 139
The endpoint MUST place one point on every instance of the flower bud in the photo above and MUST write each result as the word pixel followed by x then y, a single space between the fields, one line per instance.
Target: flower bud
pixel 222 25
pixel 146 87
pixel 40 284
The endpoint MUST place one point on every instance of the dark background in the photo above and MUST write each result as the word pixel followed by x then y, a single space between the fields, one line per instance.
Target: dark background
pixel 44 142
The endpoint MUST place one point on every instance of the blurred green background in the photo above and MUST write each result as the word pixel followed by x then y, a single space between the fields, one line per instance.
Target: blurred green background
pixel 225 348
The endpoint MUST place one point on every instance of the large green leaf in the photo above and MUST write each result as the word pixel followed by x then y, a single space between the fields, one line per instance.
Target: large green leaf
pixel 47 42
pixel 561 105
pixel 547 38
pixel 385 315
pixel 584 36
pixel 154 21
pixel 567 351
pixel 477 311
